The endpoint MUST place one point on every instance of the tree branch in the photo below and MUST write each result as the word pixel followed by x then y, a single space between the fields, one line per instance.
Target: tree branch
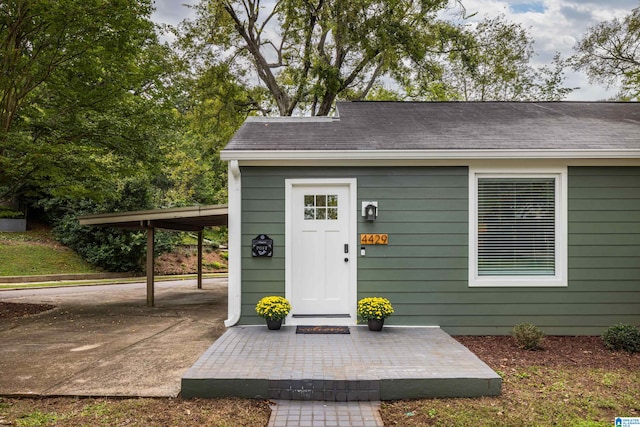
pixel 306 57
pixel 262 67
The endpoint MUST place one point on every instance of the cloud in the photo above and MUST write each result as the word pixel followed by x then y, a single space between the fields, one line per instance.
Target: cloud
pixel 172 12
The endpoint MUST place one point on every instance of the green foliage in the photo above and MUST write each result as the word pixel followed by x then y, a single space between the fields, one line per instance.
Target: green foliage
pixel 214 108
pixel 374 308
pixel 83 97
pixel 610 54
pixel 528 336
pixel 112 249
pixel 36 419
pixel 319 52
pixel 495 66
pixel 9 213
pixel 622 337
pixel 273 307
pixel 215 265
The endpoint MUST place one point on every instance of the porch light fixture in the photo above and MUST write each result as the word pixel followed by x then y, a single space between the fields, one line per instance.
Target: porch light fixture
pixel 370 210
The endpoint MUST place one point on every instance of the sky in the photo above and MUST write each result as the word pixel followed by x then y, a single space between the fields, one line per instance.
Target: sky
pixel 555 25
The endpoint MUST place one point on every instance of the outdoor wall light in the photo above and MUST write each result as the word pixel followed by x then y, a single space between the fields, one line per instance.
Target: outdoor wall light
pixel 370 210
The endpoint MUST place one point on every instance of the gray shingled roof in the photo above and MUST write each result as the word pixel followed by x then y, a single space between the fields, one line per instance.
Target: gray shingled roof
pixel 450 126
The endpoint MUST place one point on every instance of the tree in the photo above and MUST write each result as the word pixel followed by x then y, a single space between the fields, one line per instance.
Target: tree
pixel 83 97
pixel 496 67
pixel 307 53
pixel 216 106
pixel 610 53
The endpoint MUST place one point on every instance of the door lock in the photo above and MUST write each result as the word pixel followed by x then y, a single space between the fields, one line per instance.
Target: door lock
pixel 346 260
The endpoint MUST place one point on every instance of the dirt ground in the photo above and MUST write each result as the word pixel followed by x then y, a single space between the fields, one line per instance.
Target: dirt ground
pixel 184 260
pixel 10 310
pixel 500 352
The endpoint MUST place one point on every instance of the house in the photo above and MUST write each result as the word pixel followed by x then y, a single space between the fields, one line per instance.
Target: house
pixel 469 216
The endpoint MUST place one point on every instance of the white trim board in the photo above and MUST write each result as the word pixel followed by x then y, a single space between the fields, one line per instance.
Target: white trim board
pixel 283 155
pixel 560 278
pixel 510 162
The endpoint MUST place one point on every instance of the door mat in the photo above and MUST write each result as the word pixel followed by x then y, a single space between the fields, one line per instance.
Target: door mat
pixel 322 330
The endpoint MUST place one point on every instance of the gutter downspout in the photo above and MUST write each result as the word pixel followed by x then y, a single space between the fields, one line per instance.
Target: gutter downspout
pixel 235 244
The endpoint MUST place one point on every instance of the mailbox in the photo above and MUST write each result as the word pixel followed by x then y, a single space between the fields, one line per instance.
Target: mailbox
pixel 262 245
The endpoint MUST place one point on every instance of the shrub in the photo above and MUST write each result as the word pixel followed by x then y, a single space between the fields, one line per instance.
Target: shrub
pixel 273 307
pixel 10 213
pixel 109 248
pixel 622 337
pixel 528 336
pixel 374 308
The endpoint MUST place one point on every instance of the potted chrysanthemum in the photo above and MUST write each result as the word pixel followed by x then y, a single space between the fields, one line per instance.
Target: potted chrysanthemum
pixel 273 309
pixel 374 310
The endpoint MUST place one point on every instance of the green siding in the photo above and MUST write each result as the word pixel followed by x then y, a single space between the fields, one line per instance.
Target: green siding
pixel 416 205
pixel 424 268
pixel 604 244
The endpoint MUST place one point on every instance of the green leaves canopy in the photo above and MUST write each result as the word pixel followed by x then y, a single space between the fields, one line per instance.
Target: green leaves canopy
pixel 310 53
pixel 496 66
pixel 82 84
pixel 610 54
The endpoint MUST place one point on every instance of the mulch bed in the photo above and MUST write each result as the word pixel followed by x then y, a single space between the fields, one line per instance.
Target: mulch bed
pixel 11 310
pixel 583 351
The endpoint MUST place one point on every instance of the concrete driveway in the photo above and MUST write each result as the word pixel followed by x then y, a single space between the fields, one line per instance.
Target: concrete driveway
pixel 104 341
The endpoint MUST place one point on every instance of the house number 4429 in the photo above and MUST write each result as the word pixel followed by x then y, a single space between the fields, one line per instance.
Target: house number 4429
pixel 374 239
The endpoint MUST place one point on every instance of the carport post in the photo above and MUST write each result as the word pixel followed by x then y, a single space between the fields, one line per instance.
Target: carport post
pixel 150 267
pixel 200 235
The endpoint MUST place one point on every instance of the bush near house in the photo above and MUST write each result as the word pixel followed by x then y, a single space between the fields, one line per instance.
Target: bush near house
pixel 622 337
pixel 528 336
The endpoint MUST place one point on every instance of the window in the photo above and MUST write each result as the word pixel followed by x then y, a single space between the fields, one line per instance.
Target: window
pixel 517 229
pixel 320 207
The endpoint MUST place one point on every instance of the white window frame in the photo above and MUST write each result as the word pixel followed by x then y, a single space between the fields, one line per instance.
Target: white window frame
pixel 561 213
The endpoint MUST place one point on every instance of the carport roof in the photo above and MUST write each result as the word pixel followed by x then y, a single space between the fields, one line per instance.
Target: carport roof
pixel 193 218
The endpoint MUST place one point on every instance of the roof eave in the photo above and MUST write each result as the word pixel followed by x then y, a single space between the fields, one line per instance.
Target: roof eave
pixel 287 155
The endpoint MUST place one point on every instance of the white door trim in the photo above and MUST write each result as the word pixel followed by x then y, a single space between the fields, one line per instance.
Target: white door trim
pixel 353 249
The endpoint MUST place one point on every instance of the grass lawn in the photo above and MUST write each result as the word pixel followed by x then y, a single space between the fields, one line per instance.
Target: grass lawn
pixel 534 396
pixel 573 382
pixel 71 412
pixel 34 253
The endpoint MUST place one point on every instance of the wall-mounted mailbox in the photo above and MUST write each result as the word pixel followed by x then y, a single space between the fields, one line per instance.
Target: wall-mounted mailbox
pixel 262 245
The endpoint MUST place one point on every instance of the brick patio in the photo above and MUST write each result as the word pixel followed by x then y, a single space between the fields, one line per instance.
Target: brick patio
pixel 397 363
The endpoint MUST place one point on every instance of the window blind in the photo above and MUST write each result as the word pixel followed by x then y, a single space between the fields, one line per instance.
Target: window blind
pixel 516 226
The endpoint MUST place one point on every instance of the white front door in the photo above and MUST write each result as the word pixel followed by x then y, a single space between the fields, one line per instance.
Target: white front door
pixel 321 252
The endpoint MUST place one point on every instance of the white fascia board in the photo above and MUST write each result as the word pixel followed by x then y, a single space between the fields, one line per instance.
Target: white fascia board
pixel 289 155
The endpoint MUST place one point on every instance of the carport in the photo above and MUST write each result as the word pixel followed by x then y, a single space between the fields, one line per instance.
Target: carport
pixel 194 218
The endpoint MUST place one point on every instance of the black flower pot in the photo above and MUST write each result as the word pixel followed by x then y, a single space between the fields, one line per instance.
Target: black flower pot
pixel 274 324
pixel 375 324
